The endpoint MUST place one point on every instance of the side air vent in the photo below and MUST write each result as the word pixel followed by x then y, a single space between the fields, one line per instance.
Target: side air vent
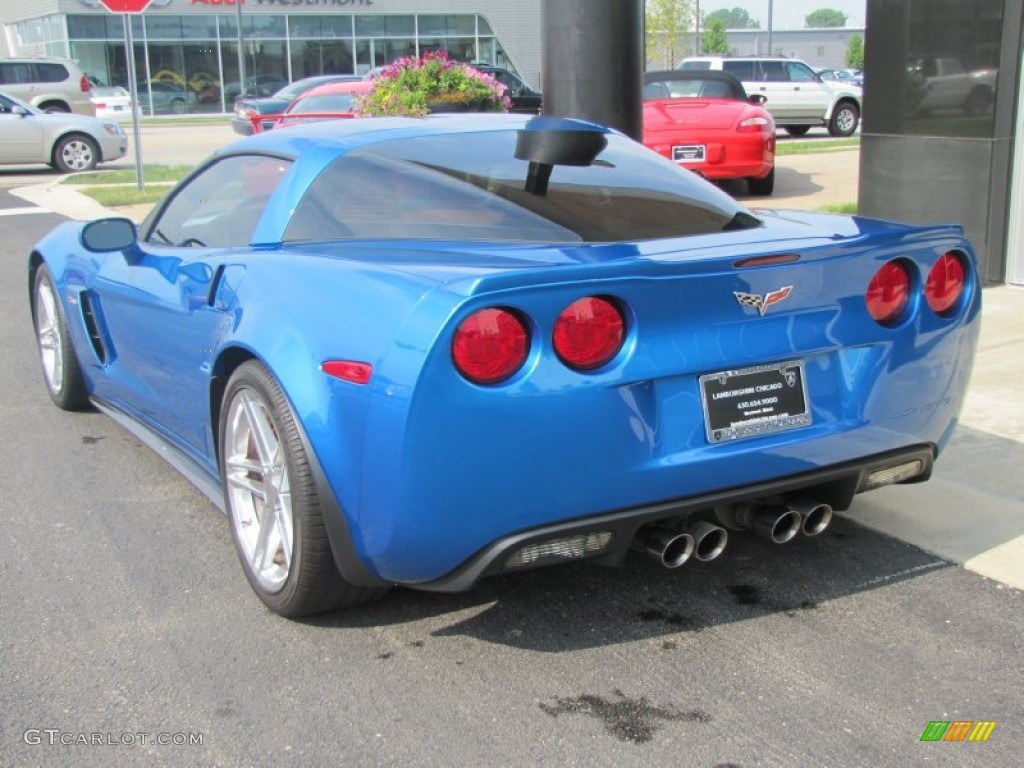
pixel 90 316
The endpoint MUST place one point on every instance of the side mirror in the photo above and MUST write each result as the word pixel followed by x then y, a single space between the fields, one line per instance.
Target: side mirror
pixel 19 110
pixel 105 235
pixel 758 98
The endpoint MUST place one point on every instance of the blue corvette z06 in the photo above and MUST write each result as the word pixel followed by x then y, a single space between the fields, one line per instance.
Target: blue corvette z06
pixel 423 351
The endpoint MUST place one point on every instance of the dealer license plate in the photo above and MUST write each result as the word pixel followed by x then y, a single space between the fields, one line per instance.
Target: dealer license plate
pixel 754 401
pixel 693 153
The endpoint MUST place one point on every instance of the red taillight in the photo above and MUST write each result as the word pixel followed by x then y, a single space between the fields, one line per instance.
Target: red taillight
pixel 754 125
pixel 84 84
pixel 945 283
pixel 888 293
pixel 589 333
pixel 348 370
pixel 490 345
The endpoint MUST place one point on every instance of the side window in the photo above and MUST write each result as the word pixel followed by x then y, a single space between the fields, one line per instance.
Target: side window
pixel 774 72
pixel 220 207
pixel 15 73
pixel 743 70
pixel 800 73
pixel 48 72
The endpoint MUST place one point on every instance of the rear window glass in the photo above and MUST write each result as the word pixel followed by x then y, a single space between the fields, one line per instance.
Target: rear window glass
pixel 482 186
pixel 696 65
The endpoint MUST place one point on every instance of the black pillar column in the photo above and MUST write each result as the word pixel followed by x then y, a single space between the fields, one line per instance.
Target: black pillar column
pixel 593 59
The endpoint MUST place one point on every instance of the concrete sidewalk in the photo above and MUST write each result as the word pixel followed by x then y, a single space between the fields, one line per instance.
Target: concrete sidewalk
pixel 972 511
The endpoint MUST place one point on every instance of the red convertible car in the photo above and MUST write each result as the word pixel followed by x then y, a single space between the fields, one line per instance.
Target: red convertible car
pixel 704 120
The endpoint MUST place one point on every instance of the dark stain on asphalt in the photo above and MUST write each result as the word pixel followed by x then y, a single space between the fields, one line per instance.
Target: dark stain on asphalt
pixel 625 718
pixel 384 656
pixel 417 643
pixel 677 620
pixel 745 594
pixel 87 440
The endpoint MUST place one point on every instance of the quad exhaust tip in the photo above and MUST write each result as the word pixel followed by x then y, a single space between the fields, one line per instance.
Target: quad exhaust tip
pixel 815 516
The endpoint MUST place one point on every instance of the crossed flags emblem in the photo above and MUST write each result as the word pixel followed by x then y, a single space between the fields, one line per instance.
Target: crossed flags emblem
pixel 761 303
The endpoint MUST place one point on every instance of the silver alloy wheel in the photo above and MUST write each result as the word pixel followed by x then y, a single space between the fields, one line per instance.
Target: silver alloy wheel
pixel 51 350
pixel 77 155
pixel 259 489
pixel 846 121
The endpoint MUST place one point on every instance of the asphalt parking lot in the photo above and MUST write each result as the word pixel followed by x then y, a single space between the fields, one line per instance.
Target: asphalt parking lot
pixel 127 617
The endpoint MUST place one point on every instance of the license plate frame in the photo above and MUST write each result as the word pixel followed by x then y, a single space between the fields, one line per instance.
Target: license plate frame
pixel 751 402
pixel 690 153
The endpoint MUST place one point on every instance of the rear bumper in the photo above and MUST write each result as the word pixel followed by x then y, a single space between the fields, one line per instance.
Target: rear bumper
pixel 835 486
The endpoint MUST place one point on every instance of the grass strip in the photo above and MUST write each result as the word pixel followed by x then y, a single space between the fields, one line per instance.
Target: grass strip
pixel 113 197
pixel 816 146
pixel 847 208
pixel 163 173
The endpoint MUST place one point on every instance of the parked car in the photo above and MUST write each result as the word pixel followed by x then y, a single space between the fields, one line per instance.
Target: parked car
pixel 324 102
pixel 797 98
pixel 64 141
pixel 52 85
pixel 703 120
pixel 422 352
pixel 247 108
pixel 842 76
pixel 524 98
pixel 942 82
pixel 112 101
pixel 256 87
pixel 165 97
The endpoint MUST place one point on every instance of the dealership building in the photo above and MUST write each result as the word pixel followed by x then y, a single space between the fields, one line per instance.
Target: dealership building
pixel 195 43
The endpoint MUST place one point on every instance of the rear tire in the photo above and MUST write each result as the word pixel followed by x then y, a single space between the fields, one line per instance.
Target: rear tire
pixel 762 187
pixel 845 118
pixel 61 371
pixel 272 503
pixel 797 130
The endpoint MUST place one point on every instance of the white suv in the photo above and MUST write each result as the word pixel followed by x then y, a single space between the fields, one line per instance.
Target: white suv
pixel 797 98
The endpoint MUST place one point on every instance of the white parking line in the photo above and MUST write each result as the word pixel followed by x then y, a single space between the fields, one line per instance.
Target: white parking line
pixel 19 211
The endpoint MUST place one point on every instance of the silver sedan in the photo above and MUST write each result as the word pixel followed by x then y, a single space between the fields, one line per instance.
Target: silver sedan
pixel 68 142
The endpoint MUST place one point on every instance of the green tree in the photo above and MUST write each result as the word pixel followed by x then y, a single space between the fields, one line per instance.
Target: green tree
pixel 733 18
pixel 667 22
pixel 825 17
pixel 855 52
pixel 714 39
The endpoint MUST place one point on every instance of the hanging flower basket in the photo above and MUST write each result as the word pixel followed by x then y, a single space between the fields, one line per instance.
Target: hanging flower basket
pixel 414 87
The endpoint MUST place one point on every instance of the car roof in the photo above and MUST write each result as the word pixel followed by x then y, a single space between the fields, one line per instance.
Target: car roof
pixel 735 87
pixel 334 136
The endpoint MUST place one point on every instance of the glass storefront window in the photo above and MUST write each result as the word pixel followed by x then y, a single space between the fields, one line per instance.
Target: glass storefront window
pixel 321 57
pixel 446 25
pixel 319 26
pixel 385 26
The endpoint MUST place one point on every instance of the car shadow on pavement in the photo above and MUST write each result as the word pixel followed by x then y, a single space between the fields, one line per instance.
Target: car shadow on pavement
pixel 567 608
pixel 789 183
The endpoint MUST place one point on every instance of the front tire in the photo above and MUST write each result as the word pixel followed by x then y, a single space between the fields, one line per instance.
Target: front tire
pixel 272 503
pixel 61 371
pixel 75 153
pixel 845 118
pixel 797 130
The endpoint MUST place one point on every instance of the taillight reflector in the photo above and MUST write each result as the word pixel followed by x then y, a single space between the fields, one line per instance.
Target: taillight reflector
pixel 84 84
pixel 589 333
pixel 945 283
pixel 888 293
pixel 348 370
pixel 490 345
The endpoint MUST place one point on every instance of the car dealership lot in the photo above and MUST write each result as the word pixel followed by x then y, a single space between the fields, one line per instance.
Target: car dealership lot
pixel 126 612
